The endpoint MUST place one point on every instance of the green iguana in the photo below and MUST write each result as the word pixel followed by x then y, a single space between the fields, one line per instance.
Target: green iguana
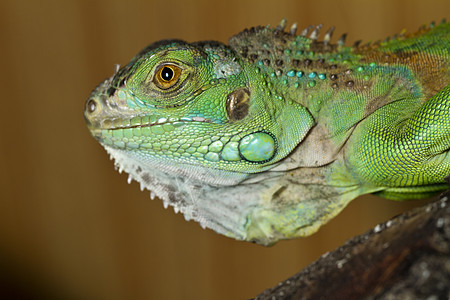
pixel 272 135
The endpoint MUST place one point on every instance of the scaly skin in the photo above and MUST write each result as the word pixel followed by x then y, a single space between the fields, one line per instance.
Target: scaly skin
pixel 271 136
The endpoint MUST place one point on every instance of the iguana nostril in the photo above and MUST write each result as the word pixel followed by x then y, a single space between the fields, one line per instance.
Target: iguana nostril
pixel 91 106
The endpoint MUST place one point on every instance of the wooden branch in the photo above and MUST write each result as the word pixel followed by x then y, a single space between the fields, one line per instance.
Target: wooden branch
pixel 407 257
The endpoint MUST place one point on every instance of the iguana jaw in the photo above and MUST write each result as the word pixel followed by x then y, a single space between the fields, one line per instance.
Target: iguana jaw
pixel 225 214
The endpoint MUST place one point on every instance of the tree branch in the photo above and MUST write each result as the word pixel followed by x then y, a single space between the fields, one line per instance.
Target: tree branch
pixel 407 257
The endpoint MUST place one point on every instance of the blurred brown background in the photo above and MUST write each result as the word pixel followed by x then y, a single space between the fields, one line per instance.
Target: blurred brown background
pixel 70 226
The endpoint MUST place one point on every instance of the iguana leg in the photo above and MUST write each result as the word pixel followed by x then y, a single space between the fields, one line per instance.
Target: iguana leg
pixel 410 156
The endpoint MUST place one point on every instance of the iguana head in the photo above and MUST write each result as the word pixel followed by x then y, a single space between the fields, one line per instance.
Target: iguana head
pixel 191 122
pixel 212 132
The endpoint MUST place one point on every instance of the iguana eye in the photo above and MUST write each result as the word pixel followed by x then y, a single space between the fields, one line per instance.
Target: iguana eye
pixel 167 76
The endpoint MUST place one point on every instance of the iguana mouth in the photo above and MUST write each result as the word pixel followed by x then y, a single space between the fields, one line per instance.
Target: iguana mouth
pixel 148 121
pixel 110 130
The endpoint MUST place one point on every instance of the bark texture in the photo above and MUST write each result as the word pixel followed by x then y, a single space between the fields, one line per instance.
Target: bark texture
pixel 407 257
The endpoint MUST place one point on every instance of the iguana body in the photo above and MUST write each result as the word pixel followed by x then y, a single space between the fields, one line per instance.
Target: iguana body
pixel 271 136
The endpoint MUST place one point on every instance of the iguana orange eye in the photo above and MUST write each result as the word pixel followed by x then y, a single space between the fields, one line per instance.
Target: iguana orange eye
pixel 167 76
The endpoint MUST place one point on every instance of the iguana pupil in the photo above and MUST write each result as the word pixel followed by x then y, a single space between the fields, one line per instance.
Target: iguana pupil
pixel 167 74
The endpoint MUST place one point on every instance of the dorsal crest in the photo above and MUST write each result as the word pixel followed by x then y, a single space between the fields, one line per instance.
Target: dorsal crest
pixel 267 39
pixel 252 42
